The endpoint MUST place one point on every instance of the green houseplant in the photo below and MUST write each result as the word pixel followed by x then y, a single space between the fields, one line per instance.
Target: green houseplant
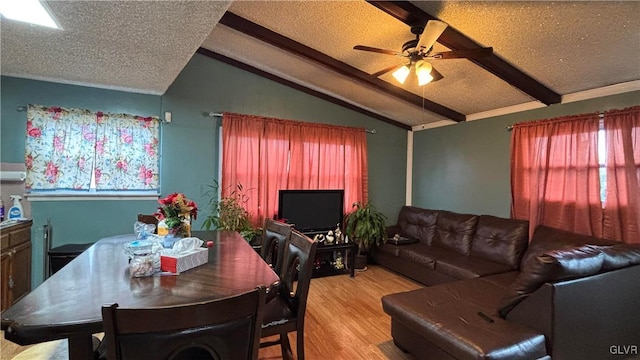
pixel 229 212
pixel 366 226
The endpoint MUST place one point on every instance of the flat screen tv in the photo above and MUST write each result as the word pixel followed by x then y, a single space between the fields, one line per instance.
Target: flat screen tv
pixel 311 211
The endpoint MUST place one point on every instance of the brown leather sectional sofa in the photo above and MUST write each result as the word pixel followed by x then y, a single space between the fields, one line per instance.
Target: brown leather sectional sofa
pixel 494 295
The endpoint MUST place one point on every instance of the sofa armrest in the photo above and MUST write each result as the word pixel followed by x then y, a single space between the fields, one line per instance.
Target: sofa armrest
pixel 586 317
pixel 392 230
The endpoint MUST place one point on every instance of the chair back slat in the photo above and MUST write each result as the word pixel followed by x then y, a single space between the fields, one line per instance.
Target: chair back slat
pixel 299 256
pixel 227 328
pixel 274 235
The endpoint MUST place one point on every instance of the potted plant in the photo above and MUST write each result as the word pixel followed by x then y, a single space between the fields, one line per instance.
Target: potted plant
pixel 229 212
pixel 176 212
pixel 366 226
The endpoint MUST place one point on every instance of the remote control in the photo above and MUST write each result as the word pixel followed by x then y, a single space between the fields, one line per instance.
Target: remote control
pixel 485 316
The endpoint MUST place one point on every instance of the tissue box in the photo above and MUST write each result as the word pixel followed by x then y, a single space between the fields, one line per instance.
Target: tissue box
pixel 184 262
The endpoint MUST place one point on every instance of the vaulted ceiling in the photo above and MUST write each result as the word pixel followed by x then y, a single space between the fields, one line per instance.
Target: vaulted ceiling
pixel 544 53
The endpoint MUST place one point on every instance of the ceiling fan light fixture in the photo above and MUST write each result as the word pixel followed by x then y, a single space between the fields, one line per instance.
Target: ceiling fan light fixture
pixel 423 72
pixel 401 74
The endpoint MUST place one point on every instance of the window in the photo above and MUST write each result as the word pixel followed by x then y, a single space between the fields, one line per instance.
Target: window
pixel 266 155
pixel 79 152
pixel 579 173
pixel 602 162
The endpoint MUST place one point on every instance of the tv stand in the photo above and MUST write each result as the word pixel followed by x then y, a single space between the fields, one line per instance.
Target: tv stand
pixel 334 259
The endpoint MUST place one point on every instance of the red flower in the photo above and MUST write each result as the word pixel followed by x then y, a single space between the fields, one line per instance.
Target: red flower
pixel 51 173
pixel 33 131
pixel 58 144
pixel 56 111
pixel 122 165
pixel 100 146
pixel 149 149
pixel 168 200
pixel 175 208
pixel 99 117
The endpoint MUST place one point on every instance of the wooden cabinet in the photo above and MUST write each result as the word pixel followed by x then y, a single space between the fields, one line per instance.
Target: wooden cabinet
pixel 16 263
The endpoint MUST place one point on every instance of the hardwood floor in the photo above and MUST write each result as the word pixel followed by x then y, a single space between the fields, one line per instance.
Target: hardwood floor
pixel 344 320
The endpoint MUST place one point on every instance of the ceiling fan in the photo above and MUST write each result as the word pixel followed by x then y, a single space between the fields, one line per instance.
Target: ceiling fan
pixel 419 50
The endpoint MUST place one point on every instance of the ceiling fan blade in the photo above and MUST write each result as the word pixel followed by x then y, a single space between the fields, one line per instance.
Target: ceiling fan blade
pixel 386 70
pixel 436 75
pixel 376 50
pixel 431 33
pixel 460 54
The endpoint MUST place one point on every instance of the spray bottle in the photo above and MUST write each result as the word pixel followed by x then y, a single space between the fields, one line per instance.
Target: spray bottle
pixel 1 209
pixel 16 212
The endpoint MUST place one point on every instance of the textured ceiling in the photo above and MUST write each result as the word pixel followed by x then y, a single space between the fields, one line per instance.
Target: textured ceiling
pixel 569 47
pixel 136 46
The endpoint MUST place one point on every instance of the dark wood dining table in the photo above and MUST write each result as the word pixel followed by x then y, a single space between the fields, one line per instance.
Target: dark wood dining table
pixel 68 304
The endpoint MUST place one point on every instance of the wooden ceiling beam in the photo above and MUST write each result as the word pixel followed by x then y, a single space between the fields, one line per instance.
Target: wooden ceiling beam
pixel 270 37
pixel 412 15
pixel 291 84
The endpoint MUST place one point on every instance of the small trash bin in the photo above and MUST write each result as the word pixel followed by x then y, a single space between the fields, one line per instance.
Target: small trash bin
pixel 62 255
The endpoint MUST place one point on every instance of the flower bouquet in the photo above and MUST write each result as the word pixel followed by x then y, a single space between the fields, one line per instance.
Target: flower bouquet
pixel 177 212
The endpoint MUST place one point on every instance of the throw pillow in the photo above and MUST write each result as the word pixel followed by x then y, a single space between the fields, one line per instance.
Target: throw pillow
pixel 551 266
pixel 620 256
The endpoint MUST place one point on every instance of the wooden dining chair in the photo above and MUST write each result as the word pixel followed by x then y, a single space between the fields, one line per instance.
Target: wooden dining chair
pixel 274 235
pixel 227 328
pixel 285 313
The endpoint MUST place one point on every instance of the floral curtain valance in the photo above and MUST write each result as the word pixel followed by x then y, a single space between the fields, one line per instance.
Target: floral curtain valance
pixel 65 147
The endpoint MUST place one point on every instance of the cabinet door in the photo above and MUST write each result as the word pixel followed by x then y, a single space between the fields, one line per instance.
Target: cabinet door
pixel 5 260
pixel 21 271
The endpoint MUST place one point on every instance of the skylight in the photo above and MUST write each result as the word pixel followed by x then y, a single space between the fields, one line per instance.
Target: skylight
pixel 30 11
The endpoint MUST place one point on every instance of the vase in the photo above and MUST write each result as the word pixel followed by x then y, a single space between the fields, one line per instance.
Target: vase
pixel 171 238
pixel 186 226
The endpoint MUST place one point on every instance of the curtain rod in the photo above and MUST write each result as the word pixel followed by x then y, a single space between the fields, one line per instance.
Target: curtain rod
pixel 215 114
pixel 210 114
pixel 510 127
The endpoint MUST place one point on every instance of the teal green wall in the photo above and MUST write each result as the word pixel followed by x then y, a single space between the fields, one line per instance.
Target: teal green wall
pixel 466 167
pixel 208 85
pixel 189 154
pixel 73 221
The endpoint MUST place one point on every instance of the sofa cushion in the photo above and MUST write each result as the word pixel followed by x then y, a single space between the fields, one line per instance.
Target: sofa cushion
pixel 445 261
pixel 417 223
pixel 455 231
pixel 551 266
pixel 427 255
pixel 620 256
pixel 503 280
pixel 500 240
pixel 546 238
pixel 447 316
pixel 468 267
pixel 388 249
pixel 419 254
pixel 401 240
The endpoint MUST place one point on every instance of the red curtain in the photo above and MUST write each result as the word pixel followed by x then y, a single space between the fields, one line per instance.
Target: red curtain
pixel 266 155
pixel 622 206
pixel 554 174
